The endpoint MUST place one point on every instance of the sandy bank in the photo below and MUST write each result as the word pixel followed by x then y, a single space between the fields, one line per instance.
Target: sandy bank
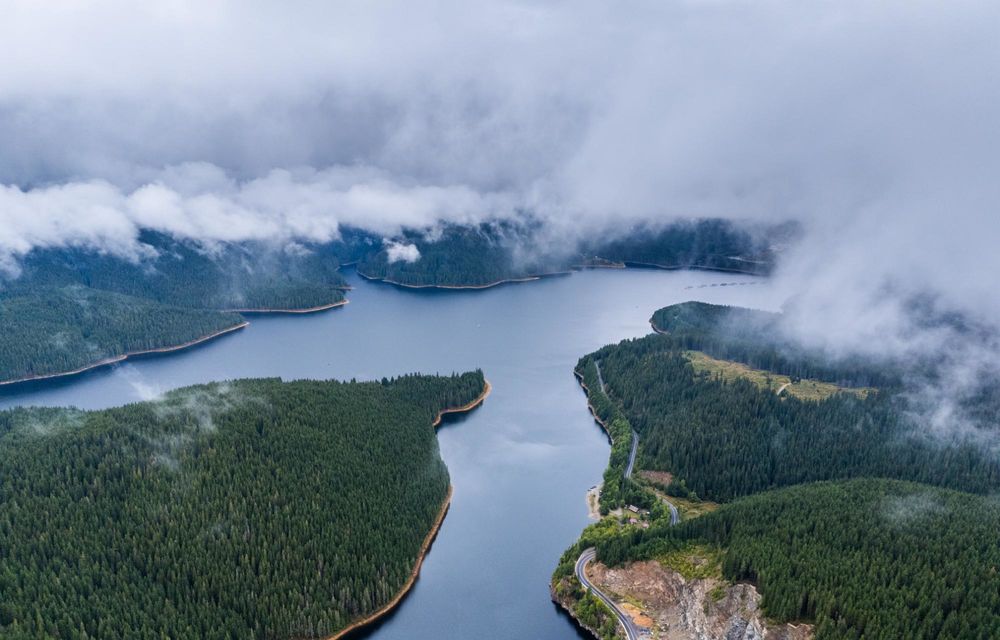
pixel 410 582
pixel 322 307
pixel 465 407
pixel 488 285
pixel 593 412
pixel 430 536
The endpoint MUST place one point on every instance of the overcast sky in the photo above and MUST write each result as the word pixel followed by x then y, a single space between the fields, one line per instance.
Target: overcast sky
pixel 875 124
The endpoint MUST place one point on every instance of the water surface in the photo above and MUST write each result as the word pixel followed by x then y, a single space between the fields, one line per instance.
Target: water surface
pixel 520 464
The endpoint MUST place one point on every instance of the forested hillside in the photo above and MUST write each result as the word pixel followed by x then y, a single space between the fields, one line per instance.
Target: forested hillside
pixel 52 330
pixel 71 308
pixel 463 256
pixel 226 276
pixel 250 509
pixel 731 438
pixel 825 514
pixel 711 243
pixel 492 253
pixel 861 558
pixel 754 338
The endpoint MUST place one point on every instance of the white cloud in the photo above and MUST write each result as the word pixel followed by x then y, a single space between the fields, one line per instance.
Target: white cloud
pixel 876 124
pixel 398 251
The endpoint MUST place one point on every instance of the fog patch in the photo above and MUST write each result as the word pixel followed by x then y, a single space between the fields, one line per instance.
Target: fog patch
pixel 46 422
pixel 912 510
pixel 401 252
pixel 197 407
pixel 142 388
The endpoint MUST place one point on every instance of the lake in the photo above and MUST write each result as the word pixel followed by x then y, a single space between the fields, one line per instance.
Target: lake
pixel 520 464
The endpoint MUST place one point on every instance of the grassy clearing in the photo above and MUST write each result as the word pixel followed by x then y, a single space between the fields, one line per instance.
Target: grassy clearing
pixel 693 508
pixel 694 562
pixel 804 389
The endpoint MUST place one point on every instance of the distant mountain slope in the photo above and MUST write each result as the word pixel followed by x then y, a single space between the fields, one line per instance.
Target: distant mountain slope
pixel 224 276
pixel 494 253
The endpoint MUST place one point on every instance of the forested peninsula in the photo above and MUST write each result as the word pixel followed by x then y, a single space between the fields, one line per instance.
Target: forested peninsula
pixel 245 509
pixel 68 310
pixel 809 479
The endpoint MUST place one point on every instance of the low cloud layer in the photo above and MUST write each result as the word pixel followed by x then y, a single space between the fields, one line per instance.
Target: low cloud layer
pixel 875 124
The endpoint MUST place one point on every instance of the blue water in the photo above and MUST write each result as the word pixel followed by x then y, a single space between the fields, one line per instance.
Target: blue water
pixel 520 464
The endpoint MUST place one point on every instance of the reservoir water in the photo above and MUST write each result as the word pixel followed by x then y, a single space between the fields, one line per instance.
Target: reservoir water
pixel 520 464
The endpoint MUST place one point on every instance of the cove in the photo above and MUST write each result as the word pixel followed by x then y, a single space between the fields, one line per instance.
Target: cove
pixel 520 464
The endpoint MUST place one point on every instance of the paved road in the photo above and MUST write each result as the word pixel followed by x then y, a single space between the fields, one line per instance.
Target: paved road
pixel 635 436
pixel 631 455
pixel 632 632
pixel 600 378
pixel 675 517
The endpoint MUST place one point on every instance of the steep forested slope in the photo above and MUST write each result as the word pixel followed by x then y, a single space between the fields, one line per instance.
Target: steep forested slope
pixel 754 338
pixel 51 330
pixel 862 553
pixel 732 438
pixel 861 558
pixel 227 276
pixel 694 244
pixel 251 509
pixel 463 257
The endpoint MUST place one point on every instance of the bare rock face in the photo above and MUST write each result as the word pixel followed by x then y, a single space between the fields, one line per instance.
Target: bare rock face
pixel 697 609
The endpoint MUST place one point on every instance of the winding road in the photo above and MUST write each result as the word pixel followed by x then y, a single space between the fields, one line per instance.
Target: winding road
pixel 632 632
pixel 674 515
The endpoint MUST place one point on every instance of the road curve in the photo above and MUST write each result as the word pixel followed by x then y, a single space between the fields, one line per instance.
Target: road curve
pixel 675 517
pixel 632 632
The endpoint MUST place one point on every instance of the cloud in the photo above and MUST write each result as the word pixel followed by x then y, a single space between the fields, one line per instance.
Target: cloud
pixel 875 124
pixel 200 202
pixel 398 251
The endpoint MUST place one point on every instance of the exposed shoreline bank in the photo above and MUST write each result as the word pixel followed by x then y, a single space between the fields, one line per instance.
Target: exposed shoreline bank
pixel 322 307
pixel 125 356
pixel 593 412
pixel 469 406
pixel 388 607
pixel 354 626
pixel 459 287
pixel 573 269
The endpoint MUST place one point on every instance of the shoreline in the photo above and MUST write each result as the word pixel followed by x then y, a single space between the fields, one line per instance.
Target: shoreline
pixel 125 356
pixel 469 406
pixel 322 307
pixel 388 607
pixel 459 287
pixel 590 407
pixel 570 271
pixel 414 574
